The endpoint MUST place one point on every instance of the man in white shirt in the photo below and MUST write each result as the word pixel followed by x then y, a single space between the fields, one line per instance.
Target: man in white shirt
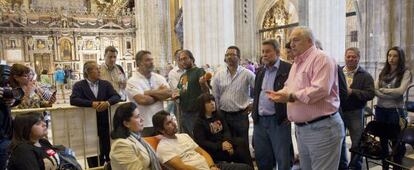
pixel 147 89
pixel 179 151
pixel 173 79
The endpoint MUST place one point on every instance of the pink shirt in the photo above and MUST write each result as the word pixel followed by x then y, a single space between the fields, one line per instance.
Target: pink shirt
pixel 313 79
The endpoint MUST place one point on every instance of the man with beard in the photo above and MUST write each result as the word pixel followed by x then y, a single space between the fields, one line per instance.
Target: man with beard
pixel 147 89
pixel 231 88
pixel 191 85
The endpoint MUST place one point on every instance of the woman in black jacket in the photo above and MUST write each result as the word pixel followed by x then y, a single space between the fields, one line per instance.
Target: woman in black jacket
pixel 29 148
pixel 212 134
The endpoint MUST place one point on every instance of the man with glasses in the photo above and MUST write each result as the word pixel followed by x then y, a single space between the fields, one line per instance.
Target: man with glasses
pixel 231 89
pixel 148 90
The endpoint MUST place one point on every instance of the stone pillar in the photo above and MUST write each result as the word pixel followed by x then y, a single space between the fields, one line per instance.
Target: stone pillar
pixel 245 28
pixel 153 29
pixel 208 29
pixel 327 21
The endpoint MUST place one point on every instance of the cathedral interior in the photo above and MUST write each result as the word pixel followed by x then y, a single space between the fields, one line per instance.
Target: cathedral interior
pixel 50 34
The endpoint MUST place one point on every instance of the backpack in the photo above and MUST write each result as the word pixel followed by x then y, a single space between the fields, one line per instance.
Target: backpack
pixel 67 158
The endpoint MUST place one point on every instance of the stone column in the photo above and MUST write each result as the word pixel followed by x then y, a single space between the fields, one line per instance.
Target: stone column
pixel 208 29
pixel 327 21
pixel 153 29
pixel 245 28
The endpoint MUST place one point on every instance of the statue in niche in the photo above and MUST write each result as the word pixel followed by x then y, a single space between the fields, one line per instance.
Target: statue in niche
pixel 12 43
pixel 79 42
pixel 66 50
pixel 30 43
pixel 89 44
pixel 97 43
pixel 40 44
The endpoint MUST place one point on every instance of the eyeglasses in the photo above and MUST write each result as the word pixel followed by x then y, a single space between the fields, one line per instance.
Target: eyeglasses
pixel 230 55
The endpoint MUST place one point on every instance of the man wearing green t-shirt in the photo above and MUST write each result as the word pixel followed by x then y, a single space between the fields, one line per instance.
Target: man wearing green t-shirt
pixel 191 85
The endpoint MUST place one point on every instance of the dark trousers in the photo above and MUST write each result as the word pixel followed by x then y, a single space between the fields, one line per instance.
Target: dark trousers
pixel 391 116
pixel 4 145
pixel 102 120
pixel 238 123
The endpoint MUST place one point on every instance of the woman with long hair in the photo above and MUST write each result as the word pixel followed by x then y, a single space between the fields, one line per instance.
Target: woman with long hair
pixel 390 87
pixel 29 148
pixel 129 151
pixel 212 134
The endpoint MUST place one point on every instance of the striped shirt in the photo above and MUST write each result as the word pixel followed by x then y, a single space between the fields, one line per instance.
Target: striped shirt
pixel 232 92
pixel 313 79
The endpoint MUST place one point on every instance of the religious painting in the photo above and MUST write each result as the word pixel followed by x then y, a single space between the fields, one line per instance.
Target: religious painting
pixel 89 45
pixel 30 43
pixel 65 50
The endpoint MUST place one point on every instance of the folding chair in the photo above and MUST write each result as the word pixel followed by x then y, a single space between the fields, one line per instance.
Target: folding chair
pixel 407 138
pixel 369 146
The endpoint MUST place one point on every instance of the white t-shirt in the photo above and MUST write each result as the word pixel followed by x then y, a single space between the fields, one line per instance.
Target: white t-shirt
pixel 138 84
pixel 184 147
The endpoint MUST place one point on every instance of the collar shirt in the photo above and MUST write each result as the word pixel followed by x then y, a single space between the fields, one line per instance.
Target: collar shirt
pixel 115 77
pixel 174 77
pixel 232 92
pixel 267 106
pixel 313 79
pixel 349 75
pixel 94 87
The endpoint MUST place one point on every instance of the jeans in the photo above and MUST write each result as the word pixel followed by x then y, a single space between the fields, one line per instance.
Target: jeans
pixel 233 166
pixel 354 121
pixel 272 143
pixel 391 116
pixel 187 121
pixel 319 143
pixel 4 156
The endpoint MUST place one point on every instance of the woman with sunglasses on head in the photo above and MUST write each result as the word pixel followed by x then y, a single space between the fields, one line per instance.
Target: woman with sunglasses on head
pixel 390 87
pixel 129 151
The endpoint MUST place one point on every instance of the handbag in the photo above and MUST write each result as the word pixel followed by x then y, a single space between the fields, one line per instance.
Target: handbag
pixel 67 158
pixel 370 145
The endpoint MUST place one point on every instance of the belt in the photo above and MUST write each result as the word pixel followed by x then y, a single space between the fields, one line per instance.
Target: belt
pixel 315 120
pixel 236 112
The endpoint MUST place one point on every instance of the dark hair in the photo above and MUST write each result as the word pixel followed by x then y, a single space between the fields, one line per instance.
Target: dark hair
pixel 44 71
pixel 158 120
pixel 400 68
pixel 122 113
pixel 140 55
pixel 87 67
pixel 355 50
pixel 17 70
pixel 22 128
pixel 236 48
pixel 273 43
pixel 110 49
pixel 201 101
pixel 176 54
pixel 189 54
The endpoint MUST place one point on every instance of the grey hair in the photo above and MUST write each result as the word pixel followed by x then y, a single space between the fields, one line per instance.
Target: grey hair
pixel 87 67
pixel 306 32
pixel 273 43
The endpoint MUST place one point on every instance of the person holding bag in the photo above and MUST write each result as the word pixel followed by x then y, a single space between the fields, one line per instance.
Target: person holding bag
pixel 393 81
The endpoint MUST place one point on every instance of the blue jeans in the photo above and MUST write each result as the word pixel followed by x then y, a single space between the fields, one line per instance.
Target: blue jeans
pixel 4 155
pixel 354 121
pixel 319 143
pixel 272 143
pixel 187 121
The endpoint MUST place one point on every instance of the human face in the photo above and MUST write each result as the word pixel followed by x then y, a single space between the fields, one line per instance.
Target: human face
pixel 210 106
pixel 269 55
pixel 351 59
pixel 393 58
pixel 136 122
pixel 231 57
pixel 23 79
pixel 94 73
pixel 185 60
pixel 170 127
pixel 299 43
pixel 147 63
pixel 110 58
pixel 39 130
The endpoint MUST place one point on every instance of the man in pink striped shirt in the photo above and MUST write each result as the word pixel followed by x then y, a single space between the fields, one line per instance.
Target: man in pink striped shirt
pixel 312 94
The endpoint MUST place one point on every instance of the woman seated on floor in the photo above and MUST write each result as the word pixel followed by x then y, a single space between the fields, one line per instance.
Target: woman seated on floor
pixel 212 134
pixel 129 151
